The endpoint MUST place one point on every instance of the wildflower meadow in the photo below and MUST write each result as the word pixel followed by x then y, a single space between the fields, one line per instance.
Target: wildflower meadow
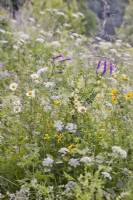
pixel 66 109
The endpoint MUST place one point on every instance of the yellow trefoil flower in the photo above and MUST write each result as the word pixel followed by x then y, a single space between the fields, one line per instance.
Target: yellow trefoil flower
pixel 46 136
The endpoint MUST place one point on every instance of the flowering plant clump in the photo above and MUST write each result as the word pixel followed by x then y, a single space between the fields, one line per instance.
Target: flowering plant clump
pixel 66 108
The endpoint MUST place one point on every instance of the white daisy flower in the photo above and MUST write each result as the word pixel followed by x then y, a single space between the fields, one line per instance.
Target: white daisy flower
pixel 13 86
pixel 82 109
pixel 17 109
pixel 31 94
pixel 34 76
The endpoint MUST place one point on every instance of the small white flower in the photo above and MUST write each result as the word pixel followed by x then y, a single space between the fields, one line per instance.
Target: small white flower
pixel 70 185
pixel 47 108
pixel 49 84
pixel 17 109
pixel 41 40
pixel 56 44
pixel 82 109
pixel 107 175
pixel 75 15
pixel 47 162
pixel 71 127
pixel 31 94
pixel 73 162
pixel 13 86
pixel 34 76
pixel 85 159
pixel 58 125
pixel 45 69
pixel 118 150
pixel 63 150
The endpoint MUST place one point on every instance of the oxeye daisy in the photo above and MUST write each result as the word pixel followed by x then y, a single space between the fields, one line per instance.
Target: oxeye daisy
pixel 13 86
pixel 82 109
pixel 114 99
pixel 113 92
pixel 34 76
pixel 31 93
pixel 128 95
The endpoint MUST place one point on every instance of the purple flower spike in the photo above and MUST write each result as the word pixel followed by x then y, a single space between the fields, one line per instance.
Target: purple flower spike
pixel 65 59
pixel 111 67
pixel 98 66
pixel 105 68
pixel 58 56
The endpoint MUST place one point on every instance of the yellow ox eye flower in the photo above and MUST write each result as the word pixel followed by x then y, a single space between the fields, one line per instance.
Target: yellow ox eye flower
pixel 114 99
pixel 71 146
pixel 114 92
pixel 128 95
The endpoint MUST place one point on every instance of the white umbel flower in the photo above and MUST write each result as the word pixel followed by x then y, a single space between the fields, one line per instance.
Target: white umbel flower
pixel 71 127
pixel 85 159
pixel 58 125
pixel 63 151
pixel 41 40
pixel 44 69
pixel 120 151
pixel 31 94
pixel 106 175
pixel 73 162
pixel 47 162
pixel 56 44
pixel 13 86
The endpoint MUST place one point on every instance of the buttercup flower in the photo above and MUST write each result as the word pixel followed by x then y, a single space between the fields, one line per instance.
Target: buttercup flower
pixel 31 94
pixel 124 77
pixel 13 86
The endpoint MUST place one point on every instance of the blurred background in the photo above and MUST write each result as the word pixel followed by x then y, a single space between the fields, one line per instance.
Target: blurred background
pixel 104 18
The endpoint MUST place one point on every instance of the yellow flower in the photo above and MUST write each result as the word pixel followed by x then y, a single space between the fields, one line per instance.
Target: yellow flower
pixel 114 99
pixel 124 77
pixel 71 146
pixel 113 92
pixel 56 102
pixel 115 76
pixel 128 95
pixel 46 136
pixel 59 137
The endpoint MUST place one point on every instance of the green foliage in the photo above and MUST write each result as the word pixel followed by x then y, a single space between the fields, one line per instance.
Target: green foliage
pixel 66 131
